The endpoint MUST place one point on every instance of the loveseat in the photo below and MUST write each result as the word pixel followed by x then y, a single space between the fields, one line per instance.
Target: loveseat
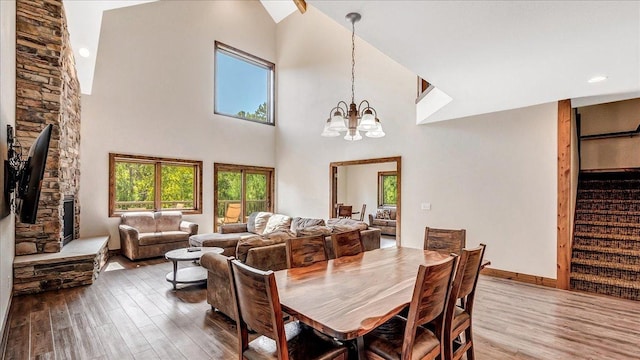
pixel 151 234
pixel 385 220
pixel 260 243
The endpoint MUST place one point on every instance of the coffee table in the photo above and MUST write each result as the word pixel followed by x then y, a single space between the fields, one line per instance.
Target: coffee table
pixel 192 274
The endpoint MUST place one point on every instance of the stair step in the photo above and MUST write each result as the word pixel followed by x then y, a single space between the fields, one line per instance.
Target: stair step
pixel 608 194
pixel 607 250
pixel 609 223
pixel 591 235
pixel 612 229
pixel 605 280
pixel 606 265
pixel 607 212
pixel 609 205
pixel 604 288
pixel 608 217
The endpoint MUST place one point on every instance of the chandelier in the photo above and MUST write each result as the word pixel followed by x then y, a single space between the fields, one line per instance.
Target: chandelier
pixel 351 118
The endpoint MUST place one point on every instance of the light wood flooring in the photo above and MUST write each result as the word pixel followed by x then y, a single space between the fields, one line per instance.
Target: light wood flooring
pixel 130 312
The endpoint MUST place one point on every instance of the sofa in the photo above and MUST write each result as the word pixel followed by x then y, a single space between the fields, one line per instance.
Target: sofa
pixel 262 246
pixel 151 234
pixel 385 220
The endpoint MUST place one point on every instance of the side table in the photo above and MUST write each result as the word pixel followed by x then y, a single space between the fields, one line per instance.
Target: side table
pixel 192 274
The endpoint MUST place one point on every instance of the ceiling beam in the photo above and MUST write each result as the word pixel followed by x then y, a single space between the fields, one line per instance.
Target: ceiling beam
pixel 302 5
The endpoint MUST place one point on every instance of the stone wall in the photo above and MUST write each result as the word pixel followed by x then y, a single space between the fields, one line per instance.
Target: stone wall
pixel 47 92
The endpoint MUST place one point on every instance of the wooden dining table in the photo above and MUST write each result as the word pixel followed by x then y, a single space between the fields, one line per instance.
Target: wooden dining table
pixel 348 297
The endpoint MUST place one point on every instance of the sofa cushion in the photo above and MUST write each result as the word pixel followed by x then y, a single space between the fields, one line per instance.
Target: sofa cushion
pixel 162 237
pixel 384 214
pixel 168 220
pixel 217 239
pixel 313 230
pixel 300 223
pixel 382 222
pixel 342 225
pixel 144 222
pixel 261 222
pixel 251 241
pixel 277 222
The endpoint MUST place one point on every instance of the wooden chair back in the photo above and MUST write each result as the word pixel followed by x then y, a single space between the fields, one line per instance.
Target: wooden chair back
pixel 345 211
pixel 305 251
pixel 463 290
pixel 445 241
pixel 429 300
pixel 364 208
pixel 258 305
pixel 347 243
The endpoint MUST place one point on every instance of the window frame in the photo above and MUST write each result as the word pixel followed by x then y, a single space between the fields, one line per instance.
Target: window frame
pixel 254 60
pixel 381 175
pixel 157 162
pixel 243 169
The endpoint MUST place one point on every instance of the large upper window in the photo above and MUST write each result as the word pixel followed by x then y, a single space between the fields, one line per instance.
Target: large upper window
pixel 243 85
pixel 387 188
pixel 139 183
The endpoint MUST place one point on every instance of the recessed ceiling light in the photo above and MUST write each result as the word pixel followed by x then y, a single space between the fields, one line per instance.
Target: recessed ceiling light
pixel 84 52
pixel 597 79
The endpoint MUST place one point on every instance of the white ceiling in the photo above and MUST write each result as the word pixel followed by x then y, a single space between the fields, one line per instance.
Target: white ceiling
pixel 498 55
pixel 84 18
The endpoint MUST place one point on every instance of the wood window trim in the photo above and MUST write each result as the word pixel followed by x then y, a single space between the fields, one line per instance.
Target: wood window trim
pixel 255 60
pixel 270 172
pixel 381 174
pixel 113 157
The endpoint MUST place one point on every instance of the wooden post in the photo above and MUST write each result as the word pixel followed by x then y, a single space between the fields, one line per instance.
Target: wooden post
pixel 564 194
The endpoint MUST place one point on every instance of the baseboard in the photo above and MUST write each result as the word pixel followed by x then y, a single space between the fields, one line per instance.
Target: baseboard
pixel 525 278
pixel 4 332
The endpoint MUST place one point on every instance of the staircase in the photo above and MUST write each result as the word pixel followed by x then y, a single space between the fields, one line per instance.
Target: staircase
pixel 606 239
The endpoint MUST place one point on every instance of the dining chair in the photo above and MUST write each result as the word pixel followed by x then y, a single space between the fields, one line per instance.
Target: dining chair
pixel 445 241
pixel 364 208
pixel 258 307
pixel 347 243
pixel 345 211
pixel 305 251
pixel 459 318
pixel 405 338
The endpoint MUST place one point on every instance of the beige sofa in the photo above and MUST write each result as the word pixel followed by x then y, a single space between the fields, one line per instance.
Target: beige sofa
pixel 385 220
pixel 151 234
pixel 250 244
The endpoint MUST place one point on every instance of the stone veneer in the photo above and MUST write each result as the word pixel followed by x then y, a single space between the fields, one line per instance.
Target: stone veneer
pixel 47 92
pixel 79 263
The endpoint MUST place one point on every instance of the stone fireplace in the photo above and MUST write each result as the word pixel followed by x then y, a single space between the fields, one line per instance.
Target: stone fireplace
pixel 48 92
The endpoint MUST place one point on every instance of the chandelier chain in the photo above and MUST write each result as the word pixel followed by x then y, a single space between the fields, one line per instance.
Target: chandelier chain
pixel 353 61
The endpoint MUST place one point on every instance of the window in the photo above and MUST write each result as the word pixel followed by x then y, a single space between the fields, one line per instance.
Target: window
pixel 243 85
pixel 139 183
pixel 387 188
pixel 239 191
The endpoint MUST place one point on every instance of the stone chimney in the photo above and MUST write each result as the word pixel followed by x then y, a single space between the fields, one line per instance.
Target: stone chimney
pixel 47 92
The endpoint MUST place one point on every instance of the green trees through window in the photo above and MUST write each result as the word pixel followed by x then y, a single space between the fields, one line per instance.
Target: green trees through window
pixel 246 186
pixel 145 183
pixel 387 188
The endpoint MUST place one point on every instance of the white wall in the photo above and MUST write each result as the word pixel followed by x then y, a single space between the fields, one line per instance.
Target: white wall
pixel 493 174
pixel 7 117
pixel 611 153
pixel 361 183
pixel 153 95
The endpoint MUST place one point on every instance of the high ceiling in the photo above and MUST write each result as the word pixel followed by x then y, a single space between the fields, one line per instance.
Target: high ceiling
pixel 487 55
pixel 497 55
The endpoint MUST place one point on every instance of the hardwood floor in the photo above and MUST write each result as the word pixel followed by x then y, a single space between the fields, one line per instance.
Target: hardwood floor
pixel 130 312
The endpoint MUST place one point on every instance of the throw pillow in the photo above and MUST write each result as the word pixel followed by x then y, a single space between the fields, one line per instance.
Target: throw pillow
pixel 277 222
pixel 261 222
pixel 383 214
pixel 251 222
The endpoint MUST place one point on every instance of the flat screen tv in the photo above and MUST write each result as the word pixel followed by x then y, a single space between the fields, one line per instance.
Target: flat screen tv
pixel 31 180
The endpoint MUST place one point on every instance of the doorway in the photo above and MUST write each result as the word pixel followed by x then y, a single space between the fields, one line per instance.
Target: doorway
pixel 367 182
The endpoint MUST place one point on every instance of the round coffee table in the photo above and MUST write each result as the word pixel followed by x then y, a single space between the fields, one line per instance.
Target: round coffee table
pixel 192 274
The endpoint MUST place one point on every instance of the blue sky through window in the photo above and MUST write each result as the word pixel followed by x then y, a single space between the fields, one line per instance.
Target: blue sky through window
pixel 240 85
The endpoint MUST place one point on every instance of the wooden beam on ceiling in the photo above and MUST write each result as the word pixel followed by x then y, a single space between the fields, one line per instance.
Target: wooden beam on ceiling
pixel 302 5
